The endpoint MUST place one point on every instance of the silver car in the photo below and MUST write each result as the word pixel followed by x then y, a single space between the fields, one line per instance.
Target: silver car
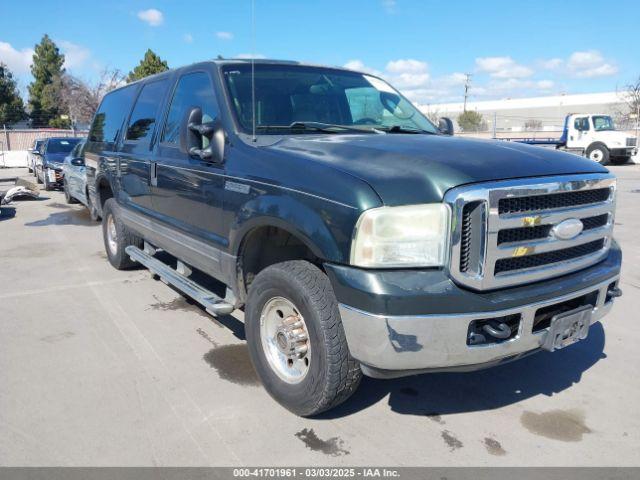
pixel 74 179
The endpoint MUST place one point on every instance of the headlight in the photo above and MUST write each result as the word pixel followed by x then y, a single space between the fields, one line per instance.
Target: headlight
pixel 407 236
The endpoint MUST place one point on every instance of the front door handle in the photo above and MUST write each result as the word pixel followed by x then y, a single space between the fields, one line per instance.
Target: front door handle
pixel 153 174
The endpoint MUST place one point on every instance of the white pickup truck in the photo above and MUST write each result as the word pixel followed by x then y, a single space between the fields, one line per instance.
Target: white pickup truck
pixel 592 135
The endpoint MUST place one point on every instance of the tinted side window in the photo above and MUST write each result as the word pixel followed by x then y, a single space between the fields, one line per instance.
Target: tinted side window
pixel 143 117
pixel 111 114
pixel 193 90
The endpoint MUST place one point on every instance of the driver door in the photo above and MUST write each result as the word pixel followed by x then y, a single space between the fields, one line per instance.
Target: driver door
pixel 187 191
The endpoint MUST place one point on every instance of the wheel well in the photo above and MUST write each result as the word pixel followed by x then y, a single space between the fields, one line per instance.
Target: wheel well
pixel 597 144
pixel 265 246
pixel 104 192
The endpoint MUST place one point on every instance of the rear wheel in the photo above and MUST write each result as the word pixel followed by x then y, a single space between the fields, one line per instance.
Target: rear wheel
pixel 599 153
pixel 117 237
pixel 296 339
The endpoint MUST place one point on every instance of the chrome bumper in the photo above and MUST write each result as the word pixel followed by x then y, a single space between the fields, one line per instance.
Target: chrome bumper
pixel 440 341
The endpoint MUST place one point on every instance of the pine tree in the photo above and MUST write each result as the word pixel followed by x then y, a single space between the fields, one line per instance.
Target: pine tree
pixel 149 65
pixel 11 105
pixel 44 92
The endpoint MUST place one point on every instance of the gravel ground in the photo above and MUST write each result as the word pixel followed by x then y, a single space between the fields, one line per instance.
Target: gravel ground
pixel 104 368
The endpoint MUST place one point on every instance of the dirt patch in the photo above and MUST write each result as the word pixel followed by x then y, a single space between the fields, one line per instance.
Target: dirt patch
pixel 334 446
pixel 494 447
pixel 563 425
pixel 233 364
pixel 206 336
pixel 451 440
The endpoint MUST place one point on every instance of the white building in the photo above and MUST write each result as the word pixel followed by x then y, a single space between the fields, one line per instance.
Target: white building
pixel 541 113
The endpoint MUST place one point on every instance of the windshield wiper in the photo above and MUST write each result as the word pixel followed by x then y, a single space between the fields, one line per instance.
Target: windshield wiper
pixel 314 126
pixel 400 129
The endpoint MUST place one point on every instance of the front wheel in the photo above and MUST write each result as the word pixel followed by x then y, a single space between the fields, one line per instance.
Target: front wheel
pixel 598 153
pixel 117 237
pixel 296 339
pixel 67 194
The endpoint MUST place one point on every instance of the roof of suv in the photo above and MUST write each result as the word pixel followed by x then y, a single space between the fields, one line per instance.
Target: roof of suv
pixel 232 61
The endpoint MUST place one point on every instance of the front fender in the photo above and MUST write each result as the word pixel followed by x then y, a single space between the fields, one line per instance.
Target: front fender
pixel 325 228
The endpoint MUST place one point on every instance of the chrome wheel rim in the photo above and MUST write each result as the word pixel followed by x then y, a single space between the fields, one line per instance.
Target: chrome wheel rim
pixel 596 155
pixel 285 340
pixel 112 235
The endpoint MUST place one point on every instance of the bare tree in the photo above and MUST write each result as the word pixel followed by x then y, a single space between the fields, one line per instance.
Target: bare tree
pixel 81 99
pixel 630 96
pixel 533 125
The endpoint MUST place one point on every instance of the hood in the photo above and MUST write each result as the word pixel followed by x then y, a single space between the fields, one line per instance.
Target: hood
pixel 406 168
pixel 55 158
pixel 613 136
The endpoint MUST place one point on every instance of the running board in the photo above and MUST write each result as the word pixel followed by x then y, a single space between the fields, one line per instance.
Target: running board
pixel 212 303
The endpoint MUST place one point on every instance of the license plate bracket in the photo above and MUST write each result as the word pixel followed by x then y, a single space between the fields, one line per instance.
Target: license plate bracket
pixel 567 328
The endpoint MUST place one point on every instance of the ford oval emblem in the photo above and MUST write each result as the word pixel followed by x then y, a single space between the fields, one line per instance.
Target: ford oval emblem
pixel 567 229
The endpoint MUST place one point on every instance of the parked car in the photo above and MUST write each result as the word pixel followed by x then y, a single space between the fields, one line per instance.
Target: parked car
pixel 32 154
pixel 74 177
pixel 50 158
pixel 359 237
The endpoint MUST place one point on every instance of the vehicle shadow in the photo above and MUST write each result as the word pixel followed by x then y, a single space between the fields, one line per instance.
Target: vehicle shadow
pixel 69 216
pixel 434 394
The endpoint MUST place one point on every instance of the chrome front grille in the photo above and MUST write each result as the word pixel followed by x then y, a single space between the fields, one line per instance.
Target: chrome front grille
pixel 503 232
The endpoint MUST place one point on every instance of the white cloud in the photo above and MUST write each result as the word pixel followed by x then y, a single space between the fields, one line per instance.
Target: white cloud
pixel 224 35
pixel 257 56
pixel 359 66
pixel 188 38
pixel 18 61
pixel 407 66
pixel 389 5
pixel 552 63
pixel 545 84
pixel 74 55
pixel 503 67
pixel 153 17
pixel 589 64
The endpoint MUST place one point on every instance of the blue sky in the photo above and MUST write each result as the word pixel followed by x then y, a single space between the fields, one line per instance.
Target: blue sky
pixel 511 48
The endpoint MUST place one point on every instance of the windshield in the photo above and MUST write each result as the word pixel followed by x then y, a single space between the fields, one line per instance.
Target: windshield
pixel 602 122
pixel 286 95
pixel 61 145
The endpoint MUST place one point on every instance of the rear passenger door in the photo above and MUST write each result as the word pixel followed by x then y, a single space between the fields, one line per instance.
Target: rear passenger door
pixel 188 191
pixel 136 149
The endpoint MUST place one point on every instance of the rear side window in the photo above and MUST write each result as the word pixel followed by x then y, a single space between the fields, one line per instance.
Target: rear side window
pixel 192 90
pixel 111 115
pixel 143 117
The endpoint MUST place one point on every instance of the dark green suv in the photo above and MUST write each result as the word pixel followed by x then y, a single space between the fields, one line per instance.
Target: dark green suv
pixel 357 236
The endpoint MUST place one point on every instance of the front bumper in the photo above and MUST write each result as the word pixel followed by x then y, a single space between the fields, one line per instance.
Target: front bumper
pixel 389 343
pixel 623 152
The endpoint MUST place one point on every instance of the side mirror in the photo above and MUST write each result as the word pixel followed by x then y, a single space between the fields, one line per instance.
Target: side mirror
pixel 77 162
pixel 194 132
pixel 445 125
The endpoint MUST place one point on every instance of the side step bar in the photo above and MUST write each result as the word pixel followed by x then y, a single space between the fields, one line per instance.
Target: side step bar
pixel 212 303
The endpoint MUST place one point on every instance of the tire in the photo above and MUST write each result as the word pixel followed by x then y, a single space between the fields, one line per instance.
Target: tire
pixel 67 195
pixel 47 185
pixel 598 152
pixel 332 374
pixel 93 211
pixel 117 237
pixel 37 175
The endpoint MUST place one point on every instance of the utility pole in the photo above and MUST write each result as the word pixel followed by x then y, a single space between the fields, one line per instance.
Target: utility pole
pixel 467 85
